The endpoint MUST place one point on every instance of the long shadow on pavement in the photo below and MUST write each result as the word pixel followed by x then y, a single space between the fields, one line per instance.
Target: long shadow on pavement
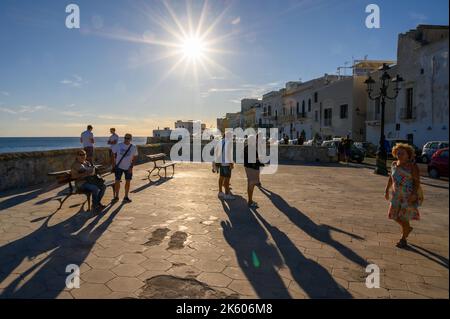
pixel 66 243
pixel 320 233
pixel 313 278
pixel 438 259
pixel 257 257
pixel 150 184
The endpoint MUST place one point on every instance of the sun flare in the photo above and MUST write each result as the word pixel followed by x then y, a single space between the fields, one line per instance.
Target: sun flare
pixel 193 48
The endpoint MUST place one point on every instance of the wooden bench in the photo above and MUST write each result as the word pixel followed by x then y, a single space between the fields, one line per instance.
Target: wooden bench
pixel 157 167
pixel 65 177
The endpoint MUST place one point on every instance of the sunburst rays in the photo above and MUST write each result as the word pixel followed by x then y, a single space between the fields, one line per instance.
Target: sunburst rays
pixel 192 43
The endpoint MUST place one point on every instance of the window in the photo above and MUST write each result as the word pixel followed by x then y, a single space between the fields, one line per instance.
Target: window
pixel 444 154
pixel 269 110
pixel 327 117
pixel 316 116
pixel 397 127
pixel 344 111
pixel 316 97
pixel 303 107
pixel 410 138
pixel 298 110
pixel 309 105
pixel 409 103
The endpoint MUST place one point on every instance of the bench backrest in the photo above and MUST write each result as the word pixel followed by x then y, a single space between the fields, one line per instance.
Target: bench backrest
pixel 157 157
pixel 64 178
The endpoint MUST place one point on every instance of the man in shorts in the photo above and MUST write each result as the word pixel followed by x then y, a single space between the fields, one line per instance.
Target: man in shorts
pixel 125 155
pixel 224 161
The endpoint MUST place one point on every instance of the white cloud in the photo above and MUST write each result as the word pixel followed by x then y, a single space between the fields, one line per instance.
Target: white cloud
pixel 24 109
pixel 74 81
pixel 236 21
pixel 420 17
pixel 4 93
pixel 6 110
pixel 247 90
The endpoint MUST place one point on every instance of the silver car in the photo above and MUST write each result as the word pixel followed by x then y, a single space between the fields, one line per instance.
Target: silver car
pixel 430 148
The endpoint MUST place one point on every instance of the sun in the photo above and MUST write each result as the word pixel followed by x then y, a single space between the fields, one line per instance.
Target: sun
pixel 191 42
pixel 193 48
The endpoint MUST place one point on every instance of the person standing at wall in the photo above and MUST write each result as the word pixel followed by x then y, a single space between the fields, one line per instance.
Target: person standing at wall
pixel 87 140
pixel 112 142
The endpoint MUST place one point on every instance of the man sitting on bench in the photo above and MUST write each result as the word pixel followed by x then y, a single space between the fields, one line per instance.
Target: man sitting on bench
pixel 82 169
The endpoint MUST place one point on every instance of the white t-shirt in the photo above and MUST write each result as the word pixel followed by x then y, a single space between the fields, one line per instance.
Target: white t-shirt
pixel 224 152
pixel 86 137
pixel 113 138
pixel 120 150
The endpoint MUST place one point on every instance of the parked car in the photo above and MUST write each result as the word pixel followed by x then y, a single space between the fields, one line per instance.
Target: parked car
pixel 361 147
pixel 370 150
pixel 430 148
pixel 390 143
pixel 356 154
pixel 438 165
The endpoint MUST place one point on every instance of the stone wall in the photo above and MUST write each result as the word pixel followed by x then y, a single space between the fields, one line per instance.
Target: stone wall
pixel 304 154
pixel 26 169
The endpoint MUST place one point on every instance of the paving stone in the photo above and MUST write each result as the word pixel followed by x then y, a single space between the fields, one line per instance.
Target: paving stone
pixel 131 258
pixel 90 291
pixel 125 284
pixel 128 270
pixel 97 276
pixel 214 279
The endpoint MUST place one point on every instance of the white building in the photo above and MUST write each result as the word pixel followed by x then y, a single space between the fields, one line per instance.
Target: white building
pixel 189 125
pixel 420 113
pixel 164 133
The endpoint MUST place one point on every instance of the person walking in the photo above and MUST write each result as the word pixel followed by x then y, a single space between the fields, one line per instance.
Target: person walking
pixel 252 165
pixel 224 161
pixel 87 140
pixel 83 172
pixel 125 156
pixel 407 193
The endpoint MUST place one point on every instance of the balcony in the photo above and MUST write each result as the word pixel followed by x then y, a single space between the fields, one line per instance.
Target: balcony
pixel 302 116
pixel 287 118
pixel 408 113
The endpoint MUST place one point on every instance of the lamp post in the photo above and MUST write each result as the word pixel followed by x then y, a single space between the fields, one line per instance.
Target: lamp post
pixel 385 81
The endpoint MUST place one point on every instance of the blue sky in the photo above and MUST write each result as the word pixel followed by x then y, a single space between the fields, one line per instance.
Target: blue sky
pixel 111 72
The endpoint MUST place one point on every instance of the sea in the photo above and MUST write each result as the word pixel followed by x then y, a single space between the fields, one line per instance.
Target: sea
pixel 33 144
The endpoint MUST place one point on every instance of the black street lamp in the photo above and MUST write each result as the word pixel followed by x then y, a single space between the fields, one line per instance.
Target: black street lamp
pixel 385 81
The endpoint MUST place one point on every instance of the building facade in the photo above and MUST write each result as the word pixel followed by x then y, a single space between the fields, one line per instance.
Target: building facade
pixel 420 112
pixel 189 125
pixel 163 134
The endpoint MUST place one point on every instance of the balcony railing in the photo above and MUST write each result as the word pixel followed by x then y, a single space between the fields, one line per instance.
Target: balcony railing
pixel 408 113
pixel 287 118
pixel 302 115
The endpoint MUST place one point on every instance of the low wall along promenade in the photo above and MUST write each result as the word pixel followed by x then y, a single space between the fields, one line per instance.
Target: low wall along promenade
pixel 18 170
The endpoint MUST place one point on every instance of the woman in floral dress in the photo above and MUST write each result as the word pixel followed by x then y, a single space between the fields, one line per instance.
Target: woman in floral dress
pixel 406 191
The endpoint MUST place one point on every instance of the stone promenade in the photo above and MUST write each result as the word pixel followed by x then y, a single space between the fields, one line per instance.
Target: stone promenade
pixel 316 230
